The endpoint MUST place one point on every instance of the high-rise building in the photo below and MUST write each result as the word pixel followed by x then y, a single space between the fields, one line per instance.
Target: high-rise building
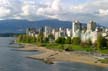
pixel 76 29
pixel 62 32
pixel 91 26
pixel 68 32
pixel 48 31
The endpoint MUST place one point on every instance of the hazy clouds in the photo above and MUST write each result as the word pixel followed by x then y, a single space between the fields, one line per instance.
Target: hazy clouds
pixel 83 10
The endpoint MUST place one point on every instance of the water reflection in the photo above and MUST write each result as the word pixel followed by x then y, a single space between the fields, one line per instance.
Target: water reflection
pixel 16 61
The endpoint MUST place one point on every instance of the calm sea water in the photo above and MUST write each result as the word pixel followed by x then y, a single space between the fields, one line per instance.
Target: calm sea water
pixel 15 61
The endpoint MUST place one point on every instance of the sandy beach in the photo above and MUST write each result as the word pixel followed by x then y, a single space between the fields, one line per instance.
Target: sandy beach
pixel 55 56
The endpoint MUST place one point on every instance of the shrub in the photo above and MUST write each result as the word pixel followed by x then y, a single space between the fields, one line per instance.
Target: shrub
pixel 68 47
pixel 40 37
pixel 101 42
pixel 76 40
pixel 68 40
pixel 104 60
pixel 45 40
pixel 60 40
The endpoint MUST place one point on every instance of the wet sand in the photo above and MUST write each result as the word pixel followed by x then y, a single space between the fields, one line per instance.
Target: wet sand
pixel 54 56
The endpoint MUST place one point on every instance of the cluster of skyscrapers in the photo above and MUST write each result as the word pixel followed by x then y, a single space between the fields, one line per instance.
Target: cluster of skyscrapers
pixel 85 32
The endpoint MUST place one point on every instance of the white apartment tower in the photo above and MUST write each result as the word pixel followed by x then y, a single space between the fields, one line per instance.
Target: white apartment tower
pixel 76 29
pixel 48 31
pixel 91 26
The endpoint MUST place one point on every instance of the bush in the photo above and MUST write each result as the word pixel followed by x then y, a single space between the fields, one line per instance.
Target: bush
pixel 68 40
pixel 40 38
pixel 60 40
pixel 26 39
pixel 101 42
pixel 45 40
pixel 76 40
pixel 51 37
pixel 68 47
pixel 54 46
pixel 104 60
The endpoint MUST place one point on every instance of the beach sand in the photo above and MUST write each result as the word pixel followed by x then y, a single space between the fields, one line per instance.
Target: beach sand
pixel 54 56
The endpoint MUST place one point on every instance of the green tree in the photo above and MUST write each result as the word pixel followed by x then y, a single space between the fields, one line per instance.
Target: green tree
pixel 76 40
pixel 34 39
pixel 30 39
pixel 68 40
pixel 40 38
pixel 51 37
pixel 26 39
pixel 101 42
pixel 46 40
pixel 20 37
pixel 60 40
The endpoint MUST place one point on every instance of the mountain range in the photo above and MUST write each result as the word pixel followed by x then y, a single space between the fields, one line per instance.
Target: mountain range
pixel 19 26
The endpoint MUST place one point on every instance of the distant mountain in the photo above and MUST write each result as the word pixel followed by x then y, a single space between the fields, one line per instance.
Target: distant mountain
pixel 19 26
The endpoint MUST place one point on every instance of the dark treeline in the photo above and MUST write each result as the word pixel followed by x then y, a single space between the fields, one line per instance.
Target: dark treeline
pixel 10 34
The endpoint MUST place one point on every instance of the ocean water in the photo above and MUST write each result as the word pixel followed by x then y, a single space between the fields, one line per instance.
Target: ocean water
pixel 11 60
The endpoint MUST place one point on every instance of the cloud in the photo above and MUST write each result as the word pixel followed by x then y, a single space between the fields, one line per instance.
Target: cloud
pixel 4 12
pixel 50 10
pixel 103 12
pixel 56 9
pixel 56 5
pixel 28 10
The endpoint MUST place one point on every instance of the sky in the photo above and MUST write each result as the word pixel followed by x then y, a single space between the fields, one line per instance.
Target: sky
pixel 66 10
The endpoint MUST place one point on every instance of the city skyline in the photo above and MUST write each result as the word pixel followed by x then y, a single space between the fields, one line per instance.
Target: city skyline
pixel 83 10
pixel 86 33
pixel 53 35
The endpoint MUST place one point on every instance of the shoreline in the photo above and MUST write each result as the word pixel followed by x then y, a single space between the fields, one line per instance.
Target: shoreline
pixel 50 56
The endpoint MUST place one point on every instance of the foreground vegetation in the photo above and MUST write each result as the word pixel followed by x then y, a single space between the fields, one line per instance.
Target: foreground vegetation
pixel 104 60
pixel 66 44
